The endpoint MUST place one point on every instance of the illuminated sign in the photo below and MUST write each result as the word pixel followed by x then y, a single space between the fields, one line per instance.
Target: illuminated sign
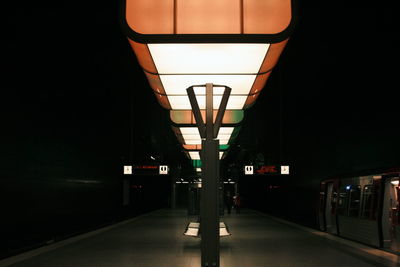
pixel 149 170
pixel 127 169
pixel 272 169
pixel 266 170
pixel 145 167
pixel 248 170
pixel 284 169
pixel 163 170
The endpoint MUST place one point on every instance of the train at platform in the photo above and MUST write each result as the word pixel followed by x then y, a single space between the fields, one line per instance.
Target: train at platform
pixel 363 207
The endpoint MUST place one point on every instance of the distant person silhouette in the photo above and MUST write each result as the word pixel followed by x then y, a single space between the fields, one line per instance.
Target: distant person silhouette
pixel 228 201
pixel 237 203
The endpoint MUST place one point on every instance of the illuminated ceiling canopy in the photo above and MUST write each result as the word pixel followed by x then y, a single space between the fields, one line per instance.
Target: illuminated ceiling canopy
pixel 183 43
pixel 191 135
pixel 187 116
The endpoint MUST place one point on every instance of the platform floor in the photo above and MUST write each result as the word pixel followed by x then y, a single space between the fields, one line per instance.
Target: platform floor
pixel 156 239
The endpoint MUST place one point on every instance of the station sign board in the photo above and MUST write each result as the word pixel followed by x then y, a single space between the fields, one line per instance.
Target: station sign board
pixel 127 169
pixel 147 169
pixel 163 169
pixel 266 170
pixel 284 169
pixel 249 170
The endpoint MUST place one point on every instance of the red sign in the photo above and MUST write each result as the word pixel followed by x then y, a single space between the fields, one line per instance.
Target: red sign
pixel 267 170
pixel 145 167
pixel 139 170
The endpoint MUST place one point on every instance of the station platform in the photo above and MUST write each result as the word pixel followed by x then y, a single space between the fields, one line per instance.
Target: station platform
pixel 156 239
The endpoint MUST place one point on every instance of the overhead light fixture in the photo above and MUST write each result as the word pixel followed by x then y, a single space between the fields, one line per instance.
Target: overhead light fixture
pixel 187 132
pixel 195 155
pixel 191 135
pixel 186 117
pixel 183 43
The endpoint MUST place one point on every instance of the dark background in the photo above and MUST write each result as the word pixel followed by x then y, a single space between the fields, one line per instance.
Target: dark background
pixel 76 107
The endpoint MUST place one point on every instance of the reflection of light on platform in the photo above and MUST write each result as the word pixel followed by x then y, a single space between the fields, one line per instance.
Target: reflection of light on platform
pixel 223 230
pixel 192 229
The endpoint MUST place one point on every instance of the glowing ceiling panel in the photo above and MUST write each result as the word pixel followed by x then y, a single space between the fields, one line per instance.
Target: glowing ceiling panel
pixel 208 58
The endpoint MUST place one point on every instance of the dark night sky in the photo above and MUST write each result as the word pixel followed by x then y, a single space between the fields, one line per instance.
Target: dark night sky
pixel 69 76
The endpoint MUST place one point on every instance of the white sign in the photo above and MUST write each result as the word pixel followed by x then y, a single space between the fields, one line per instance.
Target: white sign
pixel 284 169
pixel 127 169
pixel 163 169
pixel 248 170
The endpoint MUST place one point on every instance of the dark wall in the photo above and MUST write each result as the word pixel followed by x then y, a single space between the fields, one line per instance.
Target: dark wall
pixel 75 108
pixel 61 171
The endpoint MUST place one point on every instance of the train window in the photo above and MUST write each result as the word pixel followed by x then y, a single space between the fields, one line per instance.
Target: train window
pixel 348 199
pixel 333 200
pixel 354 202
pixel 321 201
pixel 367 206
pixel 396 203
pixel 342 202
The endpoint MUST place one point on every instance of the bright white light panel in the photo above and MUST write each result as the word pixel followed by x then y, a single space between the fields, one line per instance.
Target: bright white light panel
pixel 208 58
pixel 195 155
pixel 184 65
pixel 176 84
pixel 191 135
pixel 182 101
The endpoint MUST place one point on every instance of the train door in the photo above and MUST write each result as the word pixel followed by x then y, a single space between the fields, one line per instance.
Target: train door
pixel 390 214
pixel 321 207
pixel 330 208
pixel 327 213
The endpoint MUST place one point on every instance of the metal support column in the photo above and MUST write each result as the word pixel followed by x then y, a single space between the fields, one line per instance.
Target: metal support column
pixel 210 199
pixel 209 205
pixel 209 209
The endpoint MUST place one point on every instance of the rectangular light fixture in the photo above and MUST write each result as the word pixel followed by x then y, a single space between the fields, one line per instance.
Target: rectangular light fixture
pixel 183 65
pixel 195 131
pixel 187 116
pixel 196 58
pixel 177 84
pixel 191 135
pixel 181 102
pixel 195 155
